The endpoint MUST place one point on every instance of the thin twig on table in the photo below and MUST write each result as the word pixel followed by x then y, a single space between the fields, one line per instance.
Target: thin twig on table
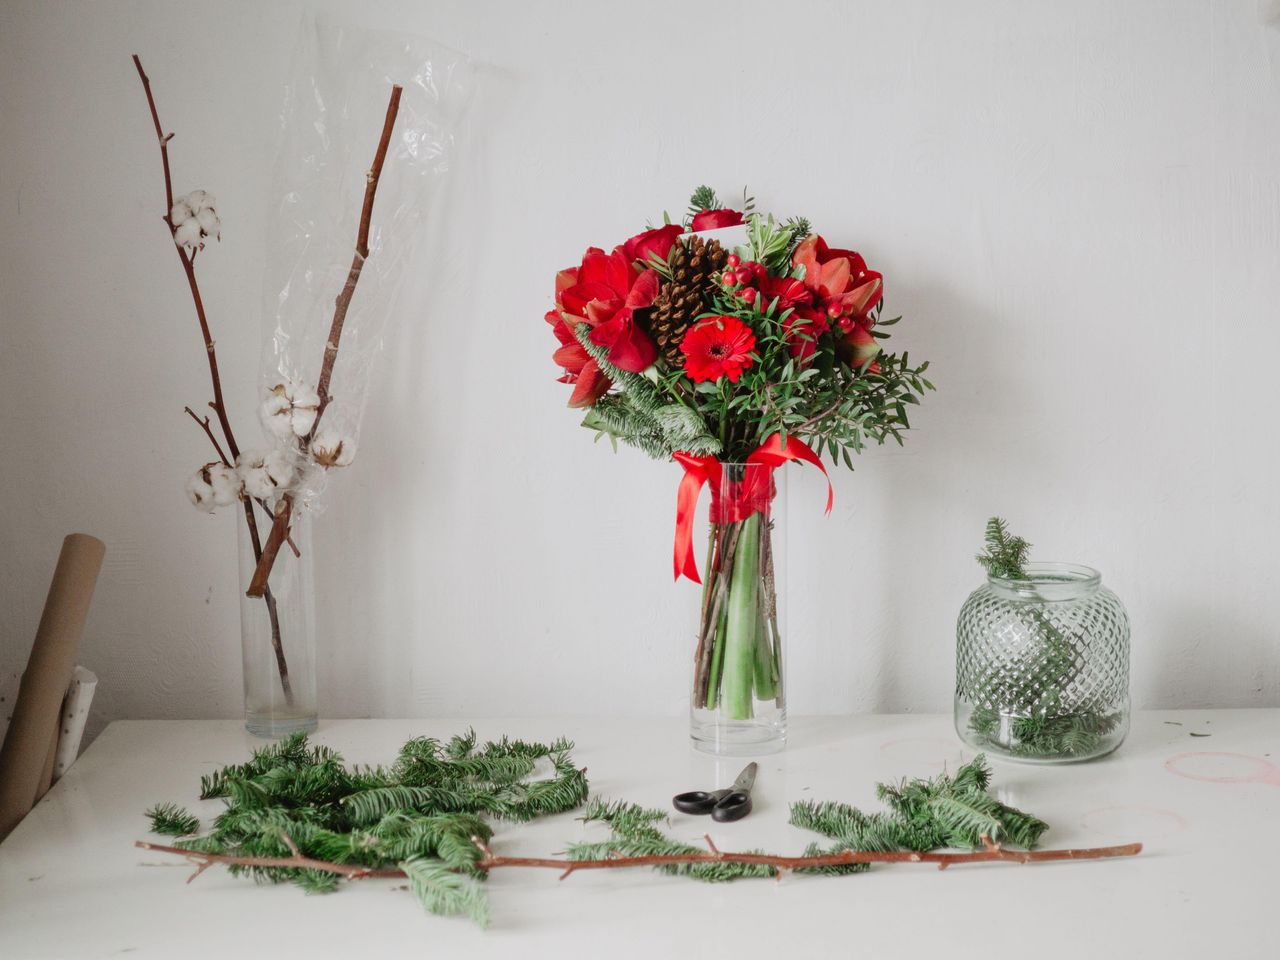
pixel 989 852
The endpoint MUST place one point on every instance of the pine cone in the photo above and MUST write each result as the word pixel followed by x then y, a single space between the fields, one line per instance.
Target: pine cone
pixel 694 267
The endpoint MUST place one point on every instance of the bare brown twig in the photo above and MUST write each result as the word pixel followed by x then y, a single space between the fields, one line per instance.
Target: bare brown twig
pixel 284 514
pixel 990 852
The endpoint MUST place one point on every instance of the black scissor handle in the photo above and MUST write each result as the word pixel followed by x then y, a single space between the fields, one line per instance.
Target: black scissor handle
pixel 698 802
pixel 735 806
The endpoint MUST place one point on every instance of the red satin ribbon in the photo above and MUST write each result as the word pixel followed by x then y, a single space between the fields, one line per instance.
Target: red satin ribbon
pixel 753 494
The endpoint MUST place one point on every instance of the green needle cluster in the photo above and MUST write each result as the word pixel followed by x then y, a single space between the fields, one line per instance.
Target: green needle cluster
pixel 946 812
pixel 419 815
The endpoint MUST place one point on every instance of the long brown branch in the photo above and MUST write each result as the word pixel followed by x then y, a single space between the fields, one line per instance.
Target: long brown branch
pixel 490 861
pixel 219 407
pixel 284 516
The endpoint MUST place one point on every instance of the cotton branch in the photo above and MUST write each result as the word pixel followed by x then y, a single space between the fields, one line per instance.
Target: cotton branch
pixel 989 852
pixel 219 407
pixel 284 513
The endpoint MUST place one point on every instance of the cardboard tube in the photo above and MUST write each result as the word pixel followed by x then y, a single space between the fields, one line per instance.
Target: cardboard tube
pixel 37 710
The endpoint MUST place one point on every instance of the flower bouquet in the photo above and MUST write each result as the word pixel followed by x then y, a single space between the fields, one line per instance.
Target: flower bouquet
pixel 733 343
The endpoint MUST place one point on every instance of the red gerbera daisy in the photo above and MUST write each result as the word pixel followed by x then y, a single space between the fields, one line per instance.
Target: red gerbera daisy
pixel 718 347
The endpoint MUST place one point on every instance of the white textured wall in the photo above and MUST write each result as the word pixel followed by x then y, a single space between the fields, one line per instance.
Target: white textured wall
pixel 1076 206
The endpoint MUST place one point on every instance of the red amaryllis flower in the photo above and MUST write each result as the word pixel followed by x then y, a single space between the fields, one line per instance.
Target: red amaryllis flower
pixel 630 347
pixel 652 243
pixel 857 347
pixel 605 293
pixel 718 347
pixel 589 384
pixel 789 292
pixel 839 280
pixel 715 219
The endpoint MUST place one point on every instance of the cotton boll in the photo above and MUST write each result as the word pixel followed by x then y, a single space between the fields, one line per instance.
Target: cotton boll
pixel 279 468
pixel 225 483
pixel 194 218
pixel 214 485
pixel 187 234
pixel 331 449
pixel 290 409
pixel 306 404
pixel 264 473
pixel 275 416
pixel 200 492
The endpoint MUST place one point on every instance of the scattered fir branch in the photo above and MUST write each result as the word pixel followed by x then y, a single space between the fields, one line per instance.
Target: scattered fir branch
pixel 293 805
pixel 1035 719
pixel 172 820
pixel 286 821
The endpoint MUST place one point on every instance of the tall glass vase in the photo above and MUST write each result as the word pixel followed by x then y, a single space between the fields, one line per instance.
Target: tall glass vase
pixel 738 705
pixel 277 634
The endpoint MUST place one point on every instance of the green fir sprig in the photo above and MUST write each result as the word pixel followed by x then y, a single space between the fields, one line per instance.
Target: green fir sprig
pixel 422 815
pixel 290 817
pixel 172 820
pixel 945 812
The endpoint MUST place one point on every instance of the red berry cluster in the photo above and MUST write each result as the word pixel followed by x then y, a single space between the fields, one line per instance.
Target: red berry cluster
pixel 841 319
pixel 742 278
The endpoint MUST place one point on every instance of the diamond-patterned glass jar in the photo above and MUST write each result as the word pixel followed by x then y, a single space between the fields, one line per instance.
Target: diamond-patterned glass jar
pixel 1042 666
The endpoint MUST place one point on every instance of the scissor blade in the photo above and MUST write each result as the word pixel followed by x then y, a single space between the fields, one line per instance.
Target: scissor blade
pixel 746 779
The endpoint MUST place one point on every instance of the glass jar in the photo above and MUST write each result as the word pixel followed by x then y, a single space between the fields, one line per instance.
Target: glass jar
pixel 1042 666
pixel 277 634
pixel 738 701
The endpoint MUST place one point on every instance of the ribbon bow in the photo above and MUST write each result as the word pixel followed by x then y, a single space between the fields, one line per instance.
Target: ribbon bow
pixel 753 495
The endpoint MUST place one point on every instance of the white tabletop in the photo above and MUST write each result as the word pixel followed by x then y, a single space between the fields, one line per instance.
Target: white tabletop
pixel 72 885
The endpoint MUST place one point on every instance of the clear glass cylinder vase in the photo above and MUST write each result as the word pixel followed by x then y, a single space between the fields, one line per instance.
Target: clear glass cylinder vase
pixel 738 705
pixel 277 634
pixel 1042 666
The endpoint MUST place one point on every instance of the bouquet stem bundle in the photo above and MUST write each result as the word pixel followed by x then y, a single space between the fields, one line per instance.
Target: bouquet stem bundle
pixel 739 653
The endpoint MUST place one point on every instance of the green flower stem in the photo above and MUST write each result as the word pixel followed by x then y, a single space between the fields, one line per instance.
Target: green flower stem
pixel 740 630
pixel 717 656
pixel 765 678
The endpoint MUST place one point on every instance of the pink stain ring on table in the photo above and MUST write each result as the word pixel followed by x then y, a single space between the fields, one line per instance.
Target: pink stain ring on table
pixel 1260 771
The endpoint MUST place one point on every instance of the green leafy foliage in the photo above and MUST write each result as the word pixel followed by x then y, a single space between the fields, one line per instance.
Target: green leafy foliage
pixel 423 814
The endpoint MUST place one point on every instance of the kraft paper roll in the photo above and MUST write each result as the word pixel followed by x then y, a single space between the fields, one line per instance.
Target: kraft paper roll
pixel 36 712
pixel 46 772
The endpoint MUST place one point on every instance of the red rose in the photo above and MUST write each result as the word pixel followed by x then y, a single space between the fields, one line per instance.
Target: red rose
pixel 652 243
pixel 715 219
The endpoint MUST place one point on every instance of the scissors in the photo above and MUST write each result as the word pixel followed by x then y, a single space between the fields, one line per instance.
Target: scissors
pixel 732 803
